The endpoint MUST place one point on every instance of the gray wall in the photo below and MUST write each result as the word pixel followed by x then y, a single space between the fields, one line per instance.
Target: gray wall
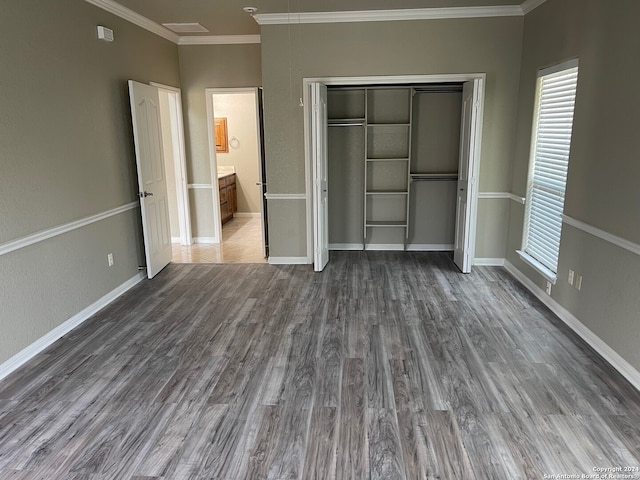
pixel 490 45
pixel 202 67
pixel 66 152
pixel 435 149
pixel 604 171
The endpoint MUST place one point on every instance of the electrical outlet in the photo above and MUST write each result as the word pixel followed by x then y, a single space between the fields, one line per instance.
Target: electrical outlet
pixel 570 277
pixel 548 290
pixel 578 282
pixel 110 259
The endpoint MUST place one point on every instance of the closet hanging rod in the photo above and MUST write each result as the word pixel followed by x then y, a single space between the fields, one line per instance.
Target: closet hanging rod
pixel 434 177
pixel 448 90
pixel 346 124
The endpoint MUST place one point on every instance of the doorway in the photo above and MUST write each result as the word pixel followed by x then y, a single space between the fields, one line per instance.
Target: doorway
pixel 316 160
pixel 234 118
pixel 170 107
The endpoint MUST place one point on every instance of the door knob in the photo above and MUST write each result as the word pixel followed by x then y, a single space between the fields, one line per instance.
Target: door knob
pixel 145 194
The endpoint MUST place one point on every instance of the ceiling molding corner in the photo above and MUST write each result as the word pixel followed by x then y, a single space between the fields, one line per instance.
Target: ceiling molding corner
pixel 218 39
pixel 388 15
pixel 127 14
pixel 530 5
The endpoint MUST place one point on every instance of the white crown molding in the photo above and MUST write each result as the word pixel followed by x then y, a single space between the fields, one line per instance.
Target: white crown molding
pixel 602 348
pixel 530 5
pixel 39 345
pixel 388 15
pixel 218 39
pixel 135 18
pixel 125 13
pixel 19 243
pixel 606 236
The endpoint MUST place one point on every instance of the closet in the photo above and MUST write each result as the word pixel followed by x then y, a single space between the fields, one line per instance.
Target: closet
pixel 393 154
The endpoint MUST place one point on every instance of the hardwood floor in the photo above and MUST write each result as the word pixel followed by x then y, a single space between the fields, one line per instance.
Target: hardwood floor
pixel 385 366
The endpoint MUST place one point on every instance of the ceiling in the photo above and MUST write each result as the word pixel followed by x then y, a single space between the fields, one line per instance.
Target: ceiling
pixel 226 17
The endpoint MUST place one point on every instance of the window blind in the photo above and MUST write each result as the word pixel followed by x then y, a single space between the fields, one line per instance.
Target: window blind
pixel 555 101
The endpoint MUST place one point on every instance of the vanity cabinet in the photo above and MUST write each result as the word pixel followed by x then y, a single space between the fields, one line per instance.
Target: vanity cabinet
pixel 228 197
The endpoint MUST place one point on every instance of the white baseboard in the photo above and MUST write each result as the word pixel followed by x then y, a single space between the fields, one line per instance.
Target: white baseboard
pixel 288 261
pixel 489 262
pixel 608 353
pixel 205 240
pixel 345 246
pixel 430 247
pixel 247 214
pixel 39 345
pixel 374 247
pixel 176 240
pixel 412 247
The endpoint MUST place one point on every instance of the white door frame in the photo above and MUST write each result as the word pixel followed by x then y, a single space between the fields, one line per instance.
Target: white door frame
pixel 179 162
pixel 390 80
pixel 209 93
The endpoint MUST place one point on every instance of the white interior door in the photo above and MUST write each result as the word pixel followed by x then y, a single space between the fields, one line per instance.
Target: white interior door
pixel 319 135
pixel 462 255
pixel 147 134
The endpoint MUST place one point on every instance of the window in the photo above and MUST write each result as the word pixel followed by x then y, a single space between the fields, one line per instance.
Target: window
pixel 550 147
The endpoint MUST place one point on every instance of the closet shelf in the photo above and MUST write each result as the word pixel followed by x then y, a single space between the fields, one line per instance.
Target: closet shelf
pixel 346 122
pixel 370 124
pixel 386 223
pixel 398 159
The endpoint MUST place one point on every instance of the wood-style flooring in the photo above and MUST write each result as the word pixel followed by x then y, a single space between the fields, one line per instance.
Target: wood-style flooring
pixel 385 366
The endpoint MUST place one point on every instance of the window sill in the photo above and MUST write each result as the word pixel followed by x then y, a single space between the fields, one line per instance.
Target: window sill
pixel 536 265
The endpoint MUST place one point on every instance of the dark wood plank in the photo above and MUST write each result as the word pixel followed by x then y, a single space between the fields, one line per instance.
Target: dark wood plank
pixel 353 448
pixel 385 365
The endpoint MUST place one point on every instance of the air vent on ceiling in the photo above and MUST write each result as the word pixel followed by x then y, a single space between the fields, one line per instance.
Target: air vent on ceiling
pixel 185 27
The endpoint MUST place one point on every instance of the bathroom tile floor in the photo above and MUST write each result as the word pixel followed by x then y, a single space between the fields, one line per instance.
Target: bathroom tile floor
pixel 241 243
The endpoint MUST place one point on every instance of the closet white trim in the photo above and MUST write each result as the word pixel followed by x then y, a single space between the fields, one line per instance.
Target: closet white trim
pixel 416 247
pixel 385 81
